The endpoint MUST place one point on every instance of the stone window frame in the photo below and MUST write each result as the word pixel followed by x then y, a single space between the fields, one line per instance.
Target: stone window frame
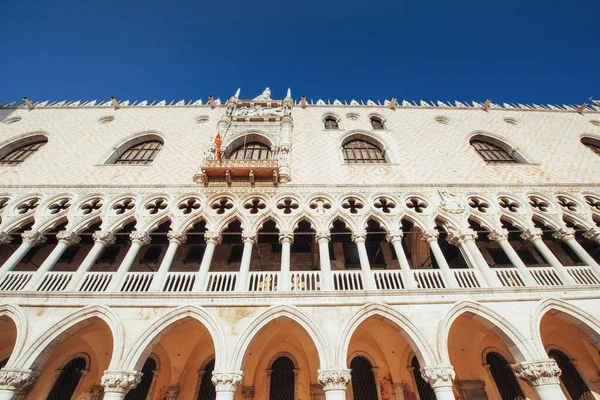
pixel 17 142
pixel 591 142
pixel 330 115
pixel 504 144
pixel 125 144
pixel 269 370
pixel 367 137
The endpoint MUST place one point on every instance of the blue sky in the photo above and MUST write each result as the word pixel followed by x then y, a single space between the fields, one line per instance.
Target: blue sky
pixel 527 51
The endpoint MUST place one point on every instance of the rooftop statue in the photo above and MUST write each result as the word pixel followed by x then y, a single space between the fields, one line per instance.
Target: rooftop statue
pixel 266 95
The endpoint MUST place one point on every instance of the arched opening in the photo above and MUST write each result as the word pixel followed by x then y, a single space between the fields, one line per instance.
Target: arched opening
pixel 423 388
pixel 41 250
pixel 592 247
pixel 343 253
pixel 377 122
pixel 282 386
pixel 15 153
pixel 504 377
pixel 561 250
pixel 304 252
pixel 151 255
pixel 525 249
pixel 251 151
pixel 361 151
pixel 68 380
pixel 8 338
pixel 492 150
pixel 570 378
pixel 7 249
pixel 112 255
pixel 331 122
pixel 416 249
pixel 592 144
pixel 363 379
pixel 206 390
pixel 452 253
pixel 141 150
pixel 142 390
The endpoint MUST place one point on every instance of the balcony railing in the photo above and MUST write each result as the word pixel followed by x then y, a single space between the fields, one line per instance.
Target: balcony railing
pixel 429 278
pixel 545 276
pixel 179 282
pixel 228 170
pixel 509 277
pixel 466 278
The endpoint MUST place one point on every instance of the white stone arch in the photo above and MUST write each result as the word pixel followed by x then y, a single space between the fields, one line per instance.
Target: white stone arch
pixel 259 220
pixel 421 223
pixel 223 223
pixel 23 139
pixel 407 329
pixel 350 222
pixel 79 221
pixel 304 216
pixel 39 351
pixel 507 145
pixel 143 346
pixel 334 115
pixel 184 225
pixel 514 340
pixel 380 117
pixel 16 314
pixel 383 222
pixel 370 137
pixel 128 141
pixel 595 138
pixel 489 222
pixel 292 313
pixel 249 136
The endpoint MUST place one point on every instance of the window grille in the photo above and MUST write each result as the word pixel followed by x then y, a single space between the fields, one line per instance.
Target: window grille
pixel 592 144
pixel 504 378
pixel 207 389
pixel 251 151
pixel 492 153
pixel 377 123
pixel 363 379
pixel 17 156
pixel 67 381
pixel 282 379
pixel 140 392
pixel 425 390
pixel 570 378
pixel 141 153
pixel 359 151
pixel 331 123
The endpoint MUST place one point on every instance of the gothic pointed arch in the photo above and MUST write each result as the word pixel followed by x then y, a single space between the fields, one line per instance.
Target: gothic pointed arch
pixel 591 143
pixel 250 146
pixel 18 317
pixel 495 149
pixel 16 150
pixel 139 149
pixel 69 378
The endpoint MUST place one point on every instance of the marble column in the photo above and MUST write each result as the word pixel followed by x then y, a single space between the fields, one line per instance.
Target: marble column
pixel 15 382
pixel 225 384
pixel 249 238
pixel 431 237
pixel 334 382
pixel 30 239
pixel 286 239
pixel 138 239
pixel 501 237
pixel 542 376
pixel 101 240
pixel 568 236
pixel 535 236
pixel 440 378
pixel 323 239
pixel 359 239
pixel 395 238
pixel 65 239
pixel 212 239
pixel 175 239
pixel 118 383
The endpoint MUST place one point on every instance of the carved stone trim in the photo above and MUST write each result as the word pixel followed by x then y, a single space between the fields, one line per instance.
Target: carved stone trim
pixel 106 238
pixel 5 238
pixel 226 381
pixel 214 237
pixel 334 379
pixel 431 235
pixel 359 237
pixel 120 381
pixel 177 237
pixel 249 236
pixel 532 234
pixel 394 236
pixel 498 235
pixel 323 236
pixel 70 238
pixel 564 234
pixel 33 238
pixel 592 234
pixel 17 380
pixel 141 237
pixel 286 237
pixel 438 376
pixel 538 373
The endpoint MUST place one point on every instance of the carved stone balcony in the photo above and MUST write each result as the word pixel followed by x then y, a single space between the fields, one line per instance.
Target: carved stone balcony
pixel 238 170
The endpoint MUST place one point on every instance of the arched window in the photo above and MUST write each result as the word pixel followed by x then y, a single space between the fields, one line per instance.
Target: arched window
pixel 140 153
pixel 570 378
pixel 363 379
pixel 282 380
pixel 18 152
pixel 331 122
pixel 377 123
pixel 504 378
pixel 140 392
pixel 425 390
pixel 251 151
pixel 493 153
pixel 360 151
pixel 68 380
pixel 593 144
pixel 207 389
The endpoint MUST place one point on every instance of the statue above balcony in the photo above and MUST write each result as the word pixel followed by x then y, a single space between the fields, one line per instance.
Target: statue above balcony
pixel 258 110
pixel 265 95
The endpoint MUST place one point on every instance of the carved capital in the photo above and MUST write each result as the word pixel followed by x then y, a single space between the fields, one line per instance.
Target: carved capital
pixel 325 235
pixel 359 237
pixel 33 238
pixel 456 238
pixel 120 381
pixel 212 237
pixel 286 237
pixel 171 392
pixel 439 375
pixel 592 234
pixel 17 380
pixel 106 238
pixel 498 235
pixel 70 238
pixel 5 238
pixel 177 237
pixel 538 373
pixel 394 236
pixel 226 381
pixel 248 392
pixel 564 234
pixel 142 238
pixel 334 379
pixel 249 236
pixel 431 235
pixel 531 234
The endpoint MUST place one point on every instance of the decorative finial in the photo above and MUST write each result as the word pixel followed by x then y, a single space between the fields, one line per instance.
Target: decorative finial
pixel 289 93
pixel 237 94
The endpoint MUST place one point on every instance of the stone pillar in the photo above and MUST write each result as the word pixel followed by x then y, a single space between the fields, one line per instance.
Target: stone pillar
pixel 171 393
pixel 138 239
pixel 101 240
pixel 286 239
pixel 323 239
pixel 175 239
pixel 395 238
pixel 568 236
pixel 65 239
pixel 14 382
pixel 501 237
pixel 440 378
pixel 535 236
pixel 249 239
pixel 30 239
pixel 334 383
pixel 431 237
pixel 118 383
pixel 466 241
pixel 360 238
pixel 225 384
pixel 285 145
pixel 212 239
pixel 542 376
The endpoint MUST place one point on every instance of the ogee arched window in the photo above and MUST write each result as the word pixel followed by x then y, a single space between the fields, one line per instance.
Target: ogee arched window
pixel 425 390
pixel 331 122
pixel 363 379
pixel 377 122
pixel 504 378
pixel 68 380
pixel 16 153
pixel 140 153
pixel 140 392
pixel 360 151
pixel 493 151
pixel 207 389
pixel 592 144
pixel 251 151
pixel 282 380
pixel 570 378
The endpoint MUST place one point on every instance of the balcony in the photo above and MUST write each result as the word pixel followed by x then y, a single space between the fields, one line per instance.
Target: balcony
pixel 238 170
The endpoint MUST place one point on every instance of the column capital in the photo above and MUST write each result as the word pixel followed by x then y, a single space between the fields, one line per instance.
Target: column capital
pixel 531 234
pixel 249 236
pixel 17 379
pixel 33 238
pixel 431 235
pixel 5 238
pixel 120 381
pixel 69 238
pixel 177 237
pixel 564 234
pixel 171 392
pixel 538 373
pixel 211 236
pixel 359 237
pixel 106 238
pixel 394 236
pixel 498 235
pixel 592 234
pixel 286 237
pixel 334 379
pixel 323 235
pixel 438 375
pixel 226 381
pixel 457 237
pixel 248 392
pixel 142 238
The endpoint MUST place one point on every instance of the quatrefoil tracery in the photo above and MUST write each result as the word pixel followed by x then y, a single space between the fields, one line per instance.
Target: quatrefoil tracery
pixel 385 205
pixel 222 205
pixel 478 204
pixel 255 205
pixel 28 206
pixel 91 206
pixel 567 203
pixel 538 203
pixel 594 203
pixel 353 205
pixel 416 204
pixel 123 206
pixel 189 205
pixel 509 204
pixel 320 204
pixel 156 206
pixel 3 203
pixel 287 206
pixel 60 205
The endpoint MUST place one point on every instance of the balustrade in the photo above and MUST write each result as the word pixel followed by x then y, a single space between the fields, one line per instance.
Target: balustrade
pixel 179 282
pixel 221 281
pixel 583 275
pixel 263 281
pixel 545 276
pixel 466 278
pixel 14 280
pixel 96 281
pixel 510 277
pixel 429 279
pixel 137 282
pixel 305 281
pixel 55 281
pixel 389 280
pixel 347 280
